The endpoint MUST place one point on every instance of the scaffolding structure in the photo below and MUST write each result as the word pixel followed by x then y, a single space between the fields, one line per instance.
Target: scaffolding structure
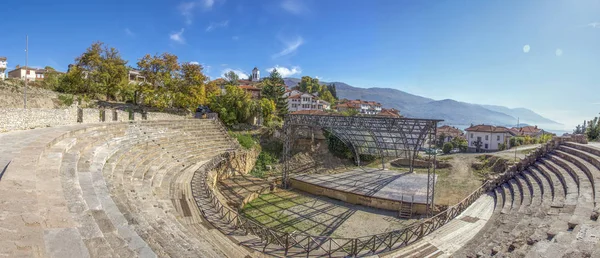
pixel 378 136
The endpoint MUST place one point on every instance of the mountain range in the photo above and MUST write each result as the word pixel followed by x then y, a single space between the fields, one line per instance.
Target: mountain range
pixel 456 113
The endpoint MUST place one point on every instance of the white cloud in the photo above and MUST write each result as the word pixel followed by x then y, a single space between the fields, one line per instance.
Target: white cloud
pixel 558 52
pixel 194 63
pixel 214 25
pixel 129 33
pixel 187 8
pixel 208 3
pixel 294 6
pixel 290 47
pixel 240 73
pixel 526 48
pixel 286 72
pixel 595 25
pixel 177 37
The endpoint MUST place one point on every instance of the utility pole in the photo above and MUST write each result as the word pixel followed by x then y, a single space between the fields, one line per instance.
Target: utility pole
pixel 26 70
pixel 518 130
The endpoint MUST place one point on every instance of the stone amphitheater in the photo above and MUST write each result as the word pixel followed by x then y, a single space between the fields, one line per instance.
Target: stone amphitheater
pixel 147 189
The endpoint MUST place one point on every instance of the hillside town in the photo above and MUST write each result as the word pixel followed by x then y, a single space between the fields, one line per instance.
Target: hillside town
pixel 301 99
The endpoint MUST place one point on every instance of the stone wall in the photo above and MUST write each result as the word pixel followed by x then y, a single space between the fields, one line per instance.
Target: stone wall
pixel 417 163
pixel 21 119
pixel 239 162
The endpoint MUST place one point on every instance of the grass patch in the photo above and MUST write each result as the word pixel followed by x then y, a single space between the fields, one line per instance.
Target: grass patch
pixel 271 210
pixel 245 140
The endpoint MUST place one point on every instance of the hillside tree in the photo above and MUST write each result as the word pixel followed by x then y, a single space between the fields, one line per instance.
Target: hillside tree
pixel 105 70
pixel 232 78
pixel 273 88
pixel 234 107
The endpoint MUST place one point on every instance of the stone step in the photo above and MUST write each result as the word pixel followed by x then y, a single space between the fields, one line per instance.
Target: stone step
pixel 583 171
pixel 557 166
pixel 172 228
pixel 508 198
pixel 555 184
pixel 537 194
pixel 499 202
pixel 592 162
pixel 526 193
pixel 517 195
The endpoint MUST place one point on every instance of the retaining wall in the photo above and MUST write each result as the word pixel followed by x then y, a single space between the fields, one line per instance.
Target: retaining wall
pixel 21 119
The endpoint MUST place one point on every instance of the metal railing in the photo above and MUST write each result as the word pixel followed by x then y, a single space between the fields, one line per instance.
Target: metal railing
pixel 305 244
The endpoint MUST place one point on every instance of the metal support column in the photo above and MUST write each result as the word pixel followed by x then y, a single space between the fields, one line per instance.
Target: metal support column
pixel 431 175
pixel 287 130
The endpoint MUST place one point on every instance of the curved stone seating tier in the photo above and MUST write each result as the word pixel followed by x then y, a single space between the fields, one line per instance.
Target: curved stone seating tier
pixel 109 190
pixel 548 210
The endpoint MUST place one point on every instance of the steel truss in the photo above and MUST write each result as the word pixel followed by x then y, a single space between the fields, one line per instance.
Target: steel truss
pixel 379 136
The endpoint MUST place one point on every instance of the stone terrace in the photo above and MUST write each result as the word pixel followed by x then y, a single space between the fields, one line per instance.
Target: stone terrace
pixel 109 190
pixel 549 210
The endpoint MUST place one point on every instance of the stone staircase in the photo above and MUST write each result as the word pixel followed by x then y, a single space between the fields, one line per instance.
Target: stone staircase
pixel 549 210
pixel 109 190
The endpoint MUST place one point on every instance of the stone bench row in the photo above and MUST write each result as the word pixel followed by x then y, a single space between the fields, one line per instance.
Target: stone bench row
pixel 554 197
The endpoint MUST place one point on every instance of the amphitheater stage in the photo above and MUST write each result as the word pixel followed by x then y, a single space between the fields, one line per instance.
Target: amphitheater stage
pixel 385 189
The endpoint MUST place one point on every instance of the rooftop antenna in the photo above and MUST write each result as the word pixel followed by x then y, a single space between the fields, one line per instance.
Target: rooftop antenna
pixel 26 70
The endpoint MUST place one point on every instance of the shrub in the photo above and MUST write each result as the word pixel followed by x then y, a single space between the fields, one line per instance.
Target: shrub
pixel 245 140
pixel 501 146
pixel 66 99
pixel 264 159
pixel 447 148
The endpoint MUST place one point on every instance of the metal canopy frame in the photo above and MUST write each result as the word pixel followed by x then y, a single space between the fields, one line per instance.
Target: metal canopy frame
pixel 380 136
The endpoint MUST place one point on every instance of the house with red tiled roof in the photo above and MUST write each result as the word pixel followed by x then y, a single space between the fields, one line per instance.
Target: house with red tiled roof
pixel 449 133
pixel 254 91
pixel 532 131
pixel 482 138
pixel 361 106
pixel 392 112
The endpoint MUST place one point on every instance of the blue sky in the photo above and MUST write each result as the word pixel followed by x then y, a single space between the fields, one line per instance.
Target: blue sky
pixel 539 54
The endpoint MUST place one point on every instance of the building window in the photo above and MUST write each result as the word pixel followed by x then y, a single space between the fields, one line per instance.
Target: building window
pixel 486 137
pixel 498 138
pixel 471 136
pixel 486 145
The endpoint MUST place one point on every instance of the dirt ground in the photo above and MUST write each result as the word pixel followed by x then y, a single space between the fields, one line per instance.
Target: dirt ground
pixel 11 96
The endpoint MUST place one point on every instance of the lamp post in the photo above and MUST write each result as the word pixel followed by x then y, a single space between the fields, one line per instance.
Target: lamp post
pixel 26 70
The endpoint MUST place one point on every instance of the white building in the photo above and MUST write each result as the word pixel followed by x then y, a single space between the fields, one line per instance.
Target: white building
pixel 135 77
pixel 255 75
pixel 3 65
pixel 483 138
pixel 298 101
pixel 32 74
